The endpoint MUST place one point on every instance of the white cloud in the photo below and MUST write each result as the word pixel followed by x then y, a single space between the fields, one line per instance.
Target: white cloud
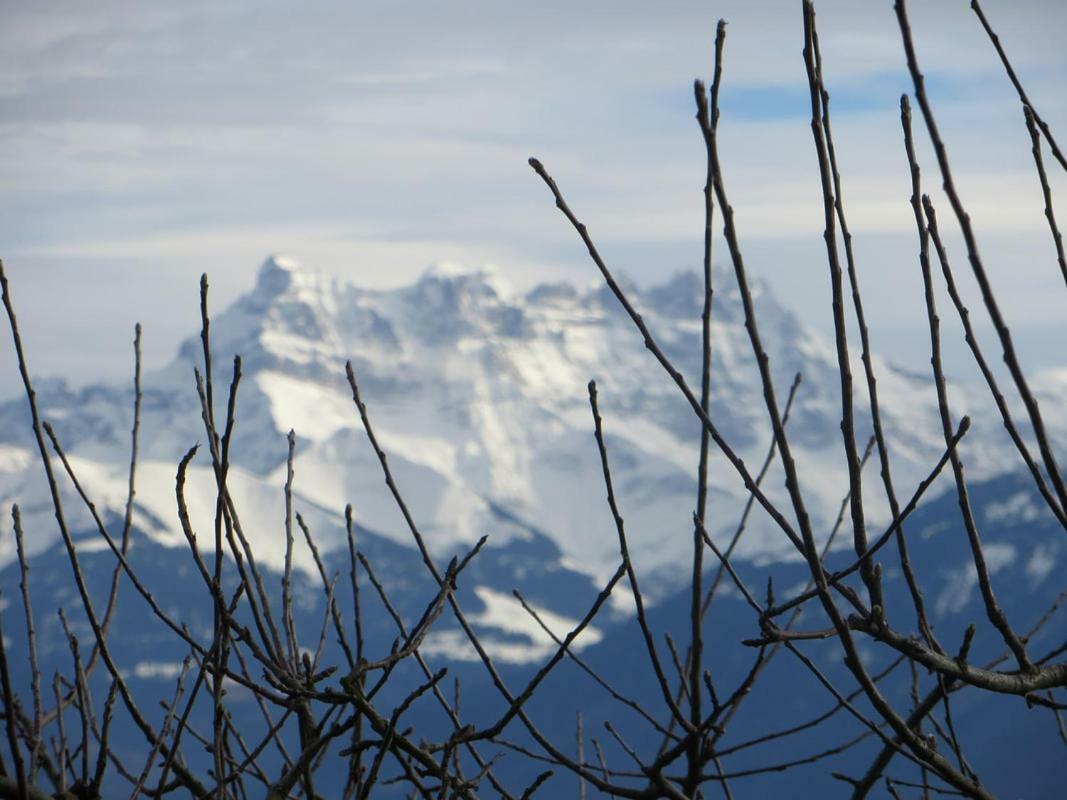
pixel 376 138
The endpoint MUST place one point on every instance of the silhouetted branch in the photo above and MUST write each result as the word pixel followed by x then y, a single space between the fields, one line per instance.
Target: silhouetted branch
pixel 975 259
pixel 977 8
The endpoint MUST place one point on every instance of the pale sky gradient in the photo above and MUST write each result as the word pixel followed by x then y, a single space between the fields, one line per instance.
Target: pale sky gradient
pixel 142 144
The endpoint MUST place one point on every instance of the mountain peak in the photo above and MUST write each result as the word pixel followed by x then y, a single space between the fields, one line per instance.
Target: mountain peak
pixel 480 394
pixel 461 275
pixel 276 274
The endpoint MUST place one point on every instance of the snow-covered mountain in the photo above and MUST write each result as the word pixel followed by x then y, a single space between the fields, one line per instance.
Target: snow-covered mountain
pixel 478 393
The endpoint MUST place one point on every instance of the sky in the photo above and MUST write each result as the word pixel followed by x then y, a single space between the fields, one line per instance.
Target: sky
pixel 142 144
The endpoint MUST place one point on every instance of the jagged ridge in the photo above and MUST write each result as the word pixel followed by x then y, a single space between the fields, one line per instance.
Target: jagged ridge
pixel 478 393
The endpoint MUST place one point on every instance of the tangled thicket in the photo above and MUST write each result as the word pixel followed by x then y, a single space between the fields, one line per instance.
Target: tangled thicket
pixel 313 711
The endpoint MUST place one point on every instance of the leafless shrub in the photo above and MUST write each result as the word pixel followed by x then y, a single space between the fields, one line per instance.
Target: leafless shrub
pixel 339 710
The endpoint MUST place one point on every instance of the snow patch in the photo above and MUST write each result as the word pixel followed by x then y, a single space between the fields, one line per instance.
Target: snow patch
pixel 94 545
pixel 1019 506
pixel 1040 565
pixel 505 613
pixel 313 411
pixel 962 582
pixel 455 646
pixel 157 670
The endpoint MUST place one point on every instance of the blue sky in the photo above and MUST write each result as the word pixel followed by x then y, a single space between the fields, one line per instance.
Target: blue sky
pixel 142 144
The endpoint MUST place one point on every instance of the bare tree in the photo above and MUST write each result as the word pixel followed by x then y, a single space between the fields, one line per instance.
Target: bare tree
pixel 341 710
